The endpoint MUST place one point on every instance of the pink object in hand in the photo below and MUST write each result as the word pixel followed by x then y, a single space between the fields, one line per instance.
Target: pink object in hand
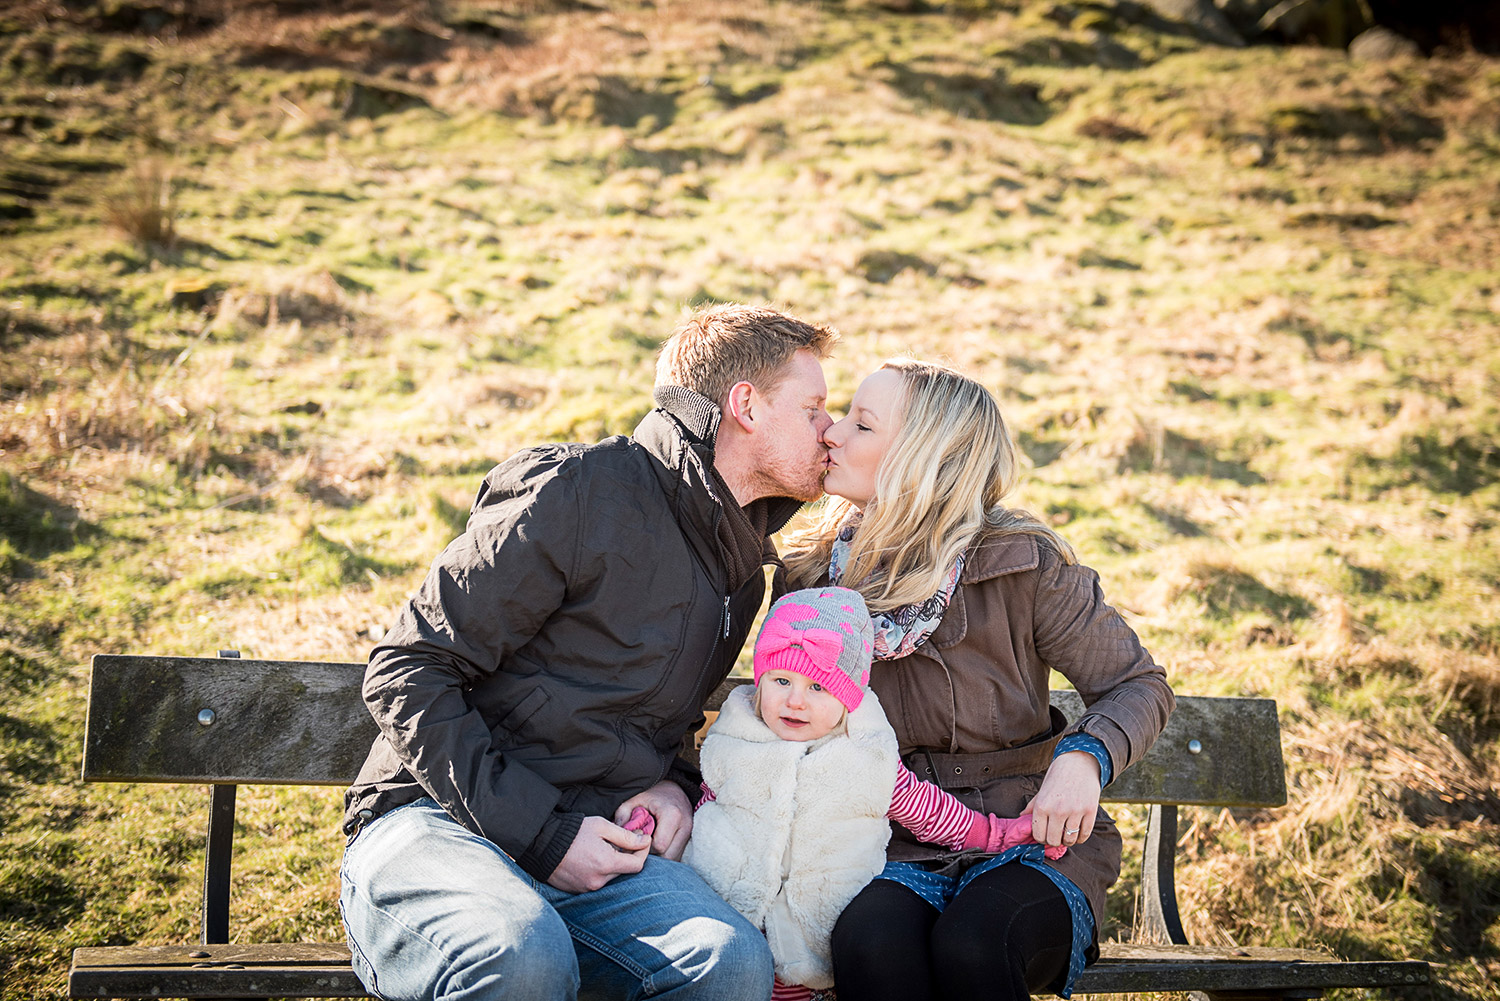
pixel 641 821
pixel 1008 832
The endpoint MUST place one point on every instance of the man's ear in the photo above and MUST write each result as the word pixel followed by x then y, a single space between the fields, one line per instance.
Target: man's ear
pixel 739 406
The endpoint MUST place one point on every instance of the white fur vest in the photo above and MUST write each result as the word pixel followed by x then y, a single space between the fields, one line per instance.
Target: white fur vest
pixel 796 829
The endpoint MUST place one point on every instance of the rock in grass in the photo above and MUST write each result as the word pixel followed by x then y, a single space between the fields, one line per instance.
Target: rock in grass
pixel 192 292
pixel 1379 44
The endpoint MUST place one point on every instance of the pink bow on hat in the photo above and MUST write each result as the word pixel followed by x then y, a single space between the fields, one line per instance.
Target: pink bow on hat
pixel 778 633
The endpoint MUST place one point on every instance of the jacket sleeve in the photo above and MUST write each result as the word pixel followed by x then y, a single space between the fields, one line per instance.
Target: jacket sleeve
pixel 686 777
pixel 1083 637
pixel 486 595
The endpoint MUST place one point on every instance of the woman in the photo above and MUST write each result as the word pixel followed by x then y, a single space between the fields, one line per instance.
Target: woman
pixel 973 604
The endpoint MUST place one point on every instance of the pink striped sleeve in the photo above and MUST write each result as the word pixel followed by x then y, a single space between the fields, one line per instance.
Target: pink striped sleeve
pixel 931 814
pixel 790 992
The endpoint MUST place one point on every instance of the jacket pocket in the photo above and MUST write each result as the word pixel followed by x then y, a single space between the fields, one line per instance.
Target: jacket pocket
pixel 511 723
pixel 1008 796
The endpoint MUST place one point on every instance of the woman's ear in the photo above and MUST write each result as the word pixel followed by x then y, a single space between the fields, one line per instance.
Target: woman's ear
pixel 740 404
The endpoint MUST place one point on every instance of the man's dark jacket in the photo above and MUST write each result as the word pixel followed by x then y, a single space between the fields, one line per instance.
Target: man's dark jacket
pixel 560 649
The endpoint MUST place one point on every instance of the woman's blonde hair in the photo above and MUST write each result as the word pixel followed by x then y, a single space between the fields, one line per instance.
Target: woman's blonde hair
pixel 940 486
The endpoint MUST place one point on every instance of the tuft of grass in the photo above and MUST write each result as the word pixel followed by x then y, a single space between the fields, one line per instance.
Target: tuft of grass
pixel 143 206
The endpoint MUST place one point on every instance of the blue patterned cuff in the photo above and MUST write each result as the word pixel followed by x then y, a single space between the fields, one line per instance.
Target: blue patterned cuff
pixel 1093 745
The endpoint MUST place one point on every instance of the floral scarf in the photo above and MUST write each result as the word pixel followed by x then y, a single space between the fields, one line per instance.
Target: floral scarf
pixel 901 630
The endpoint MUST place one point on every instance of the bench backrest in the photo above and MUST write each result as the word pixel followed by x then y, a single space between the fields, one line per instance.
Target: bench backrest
pixel 230 721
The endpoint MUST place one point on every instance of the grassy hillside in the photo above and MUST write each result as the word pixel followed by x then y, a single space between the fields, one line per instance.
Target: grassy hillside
pixel 279 281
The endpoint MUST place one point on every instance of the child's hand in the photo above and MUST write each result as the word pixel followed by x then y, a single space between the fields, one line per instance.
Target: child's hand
pixel 640 820
pixel 1002 833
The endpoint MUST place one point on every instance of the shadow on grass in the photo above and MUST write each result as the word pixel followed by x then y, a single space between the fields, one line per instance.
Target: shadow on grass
pixel 1041 451
pixel 33 525
pixel 40 896
pixel 455 518
pixel 29 752
pixel 1181 456
pixel 987 98
pixel 327 562
pixel 1460 464
pixel 1460 881
pixel 1176 523
pixel 1227 592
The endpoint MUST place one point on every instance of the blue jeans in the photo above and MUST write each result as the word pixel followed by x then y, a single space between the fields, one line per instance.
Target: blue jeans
pixel 434 911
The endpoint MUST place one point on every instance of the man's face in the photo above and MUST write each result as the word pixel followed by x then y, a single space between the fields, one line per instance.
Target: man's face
pixel 792 454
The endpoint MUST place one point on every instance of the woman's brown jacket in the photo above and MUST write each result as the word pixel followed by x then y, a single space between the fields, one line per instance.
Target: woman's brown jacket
pixel 970 706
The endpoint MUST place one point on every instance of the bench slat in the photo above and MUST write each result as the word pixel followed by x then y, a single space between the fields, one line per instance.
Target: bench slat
pixel 1132 969
pixel 1237 762
pixel 270 971
pixel 274 722
pixel 304 723
pixel 322 970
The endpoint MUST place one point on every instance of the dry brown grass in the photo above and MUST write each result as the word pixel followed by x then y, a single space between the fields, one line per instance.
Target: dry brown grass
pixel 144 205
pixel 579 53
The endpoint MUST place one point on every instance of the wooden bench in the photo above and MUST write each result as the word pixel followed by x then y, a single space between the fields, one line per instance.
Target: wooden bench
pixel 227 722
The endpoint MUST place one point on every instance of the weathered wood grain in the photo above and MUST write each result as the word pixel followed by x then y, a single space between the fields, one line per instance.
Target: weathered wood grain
pixel 302 722
pixel 214 971
pixel 296 722
pixel 1237 761
pixel 322 970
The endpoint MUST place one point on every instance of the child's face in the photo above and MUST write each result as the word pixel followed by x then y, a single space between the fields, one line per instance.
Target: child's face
pixel 797 708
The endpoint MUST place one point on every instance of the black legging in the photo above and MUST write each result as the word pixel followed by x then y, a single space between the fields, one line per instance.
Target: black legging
pixel 1008 933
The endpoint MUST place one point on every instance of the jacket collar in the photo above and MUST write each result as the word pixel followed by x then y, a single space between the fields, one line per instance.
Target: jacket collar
pixel 681 432
pixel 992 556
pixel 996 555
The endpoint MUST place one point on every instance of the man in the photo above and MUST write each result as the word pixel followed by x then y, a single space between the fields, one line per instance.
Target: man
pixel 536 689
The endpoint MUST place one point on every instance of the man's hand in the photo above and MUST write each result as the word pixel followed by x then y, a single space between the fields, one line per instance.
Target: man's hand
pixel 599 853
pixel 673 815
pixel 1063 810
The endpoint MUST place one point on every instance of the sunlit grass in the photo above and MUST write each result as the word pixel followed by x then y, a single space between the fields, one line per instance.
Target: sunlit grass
pixel 1242 329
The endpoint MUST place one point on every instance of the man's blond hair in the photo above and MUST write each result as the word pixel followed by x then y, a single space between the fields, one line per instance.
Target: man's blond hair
pixel 719 346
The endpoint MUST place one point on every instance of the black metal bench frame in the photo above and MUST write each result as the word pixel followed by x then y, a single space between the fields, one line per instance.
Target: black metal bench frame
pixel 228 722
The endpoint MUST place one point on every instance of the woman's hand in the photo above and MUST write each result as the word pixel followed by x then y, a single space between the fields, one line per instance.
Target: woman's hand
pixel 1063 810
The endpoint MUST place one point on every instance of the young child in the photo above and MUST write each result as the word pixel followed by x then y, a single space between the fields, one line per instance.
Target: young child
pixel 801 780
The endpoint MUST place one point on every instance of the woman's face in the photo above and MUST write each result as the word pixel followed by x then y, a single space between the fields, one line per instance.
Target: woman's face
pixel 858 443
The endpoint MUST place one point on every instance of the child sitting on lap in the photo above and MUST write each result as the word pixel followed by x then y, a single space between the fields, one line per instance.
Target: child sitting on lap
pixel 801 780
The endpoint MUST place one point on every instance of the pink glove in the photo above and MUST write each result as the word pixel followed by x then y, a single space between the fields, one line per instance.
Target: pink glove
pixel 1000 833
pixel 640 820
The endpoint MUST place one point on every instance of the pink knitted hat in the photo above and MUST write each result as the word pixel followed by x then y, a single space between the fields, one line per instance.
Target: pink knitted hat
pixel 822 633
